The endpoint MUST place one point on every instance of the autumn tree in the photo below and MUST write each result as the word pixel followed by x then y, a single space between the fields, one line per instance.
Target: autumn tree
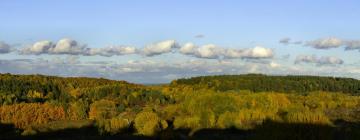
pixel 148 123
pixel 103 109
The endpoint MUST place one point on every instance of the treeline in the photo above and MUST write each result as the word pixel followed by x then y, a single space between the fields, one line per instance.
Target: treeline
pixel 39 89
pixel 262 83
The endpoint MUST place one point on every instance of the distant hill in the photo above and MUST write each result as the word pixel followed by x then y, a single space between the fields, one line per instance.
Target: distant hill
pixel 15 83
pixel 20 87
pixel 260 83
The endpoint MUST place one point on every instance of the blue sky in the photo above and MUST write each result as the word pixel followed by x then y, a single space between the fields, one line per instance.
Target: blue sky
pixel 325 29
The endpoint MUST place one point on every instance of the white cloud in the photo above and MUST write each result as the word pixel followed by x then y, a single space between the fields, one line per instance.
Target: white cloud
pixel 159 48
pixel 328 43
pixel 208 51
pixel 68 46
pixel 38 48
pixel 233 53
pixel 258 52
pixel 4 48
pixel 72 47
pixel 113 51
pixel 188 48
pixel 63 46
pixel 212 51
pixel 324 60
pixel 325 43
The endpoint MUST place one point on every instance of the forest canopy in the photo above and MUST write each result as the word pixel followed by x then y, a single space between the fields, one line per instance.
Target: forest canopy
pixel 286 106
pixel 262 83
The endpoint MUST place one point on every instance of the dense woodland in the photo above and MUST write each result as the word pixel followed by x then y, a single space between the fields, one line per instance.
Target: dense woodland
pixel 262 83
pixel 211 107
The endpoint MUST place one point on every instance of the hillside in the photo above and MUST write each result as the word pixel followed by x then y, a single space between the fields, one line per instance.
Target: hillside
pixel 39 88
pixel 265 83
pixel 47 107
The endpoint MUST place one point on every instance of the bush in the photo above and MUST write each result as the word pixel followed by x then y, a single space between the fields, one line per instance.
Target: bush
pixel 113 126
pixel 118 125
pixel 306 116
pixel 227 120
pixel 207 119
pixel 192 122
pixel 25 114
pixel 147 123
pixel 103 109
pixel 78 110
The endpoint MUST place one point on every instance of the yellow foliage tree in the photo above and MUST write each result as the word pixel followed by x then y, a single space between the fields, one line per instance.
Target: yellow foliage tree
pixel 25 114
pixel 147 123
pixel 103 109
pixel 113 126
pixel 77 110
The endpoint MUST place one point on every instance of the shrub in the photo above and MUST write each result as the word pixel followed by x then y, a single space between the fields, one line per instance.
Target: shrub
pixel 227 120
pixel 113 126
pixel 147 123
pixel 78 110
pixel 306 116
pixel 103 109
pixel 192 122
pixel 26 114
pixel 118 125
pixel 207 119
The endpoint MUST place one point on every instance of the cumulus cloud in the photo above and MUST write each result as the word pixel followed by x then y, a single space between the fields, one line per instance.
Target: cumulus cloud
pixel 72 47
pixel 40 47
pixel 4 48
pixel 325 43
pixel 324 60
pixel 333 42
pixel 159 48
pixel 188 48
pixel 211 51
pixel 208 51
pixel 257 52
pixel 63 46
pixel 68 46
pixel 113 51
